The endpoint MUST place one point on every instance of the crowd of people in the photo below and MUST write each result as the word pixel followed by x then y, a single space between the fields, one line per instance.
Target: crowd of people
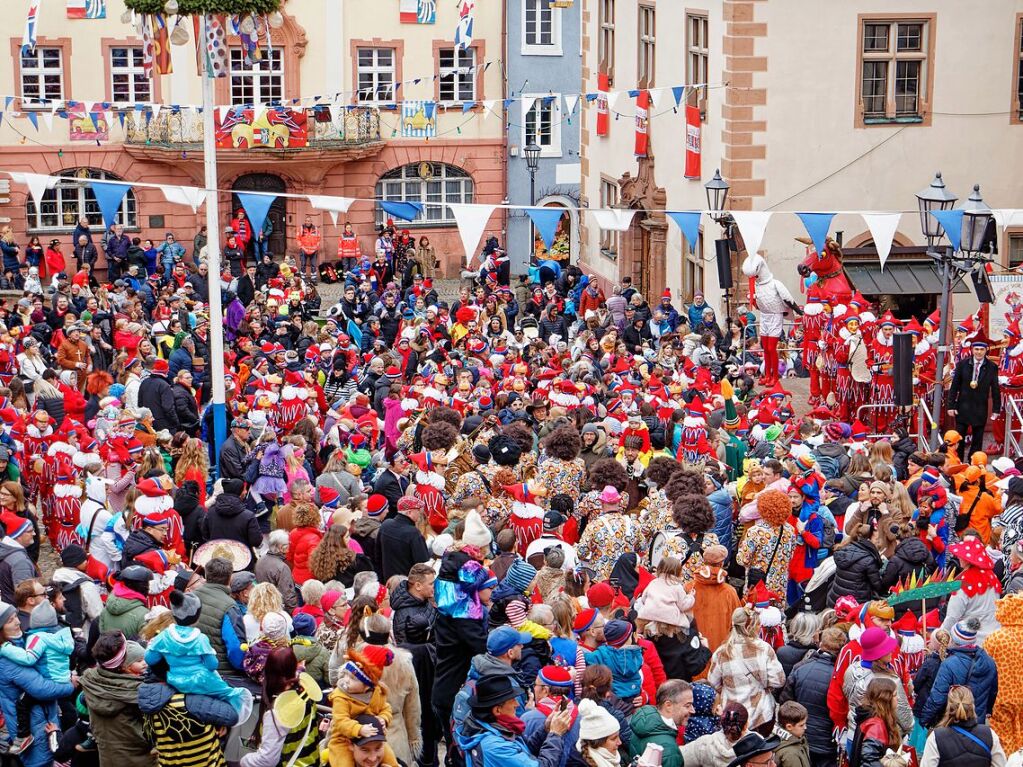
pixel 542 525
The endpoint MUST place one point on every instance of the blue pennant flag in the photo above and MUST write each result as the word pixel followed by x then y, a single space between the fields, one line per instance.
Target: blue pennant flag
pixel 109 196
pixel 508 103
pixel 633 94
pixel 689 222
pixel 8 100
pixel 33 118
pixel 592 96
pixel 546 222
pixel 467 106
pixel 406 211
pixel 952 221
pixel 817 226
pixel 678 92
pixel 256 207
pixel 355 333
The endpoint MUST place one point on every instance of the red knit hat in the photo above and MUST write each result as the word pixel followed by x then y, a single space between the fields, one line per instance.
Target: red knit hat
pixel 376 505
pixel 600 595
pixel 584 620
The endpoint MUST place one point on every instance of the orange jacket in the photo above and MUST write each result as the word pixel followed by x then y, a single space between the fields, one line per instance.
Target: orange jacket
pixel 309 241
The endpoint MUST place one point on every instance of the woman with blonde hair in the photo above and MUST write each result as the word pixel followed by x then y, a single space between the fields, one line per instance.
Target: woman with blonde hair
pixel 193 464
pixel 746 670
pixel 264 598
pixel 958 739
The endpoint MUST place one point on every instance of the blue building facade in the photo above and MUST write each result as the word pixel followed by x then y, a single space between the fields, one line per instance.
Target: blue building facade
pixel 544 65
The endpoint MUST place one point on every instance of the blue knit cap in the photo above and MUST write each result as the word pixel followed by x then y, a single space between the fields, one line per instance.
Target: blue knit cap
pixel 520 575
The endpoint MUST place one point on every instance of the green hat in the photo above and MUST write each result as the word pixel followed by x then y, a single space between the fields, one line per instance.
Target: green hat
pixel 731 416
pixel 773 432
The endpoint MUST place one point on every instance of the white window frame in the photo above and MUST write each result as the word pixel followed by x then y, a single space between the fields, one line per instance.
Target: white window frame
pixel 646 46
pixel 35 71
pixel 375 70
pixel 610 197
pixel 606 12
pixel 133 72
pixel 457 76
pixel 69 200
pixel 409 187
pixel 553 147
pixel 539 7
pixel 698 55
pixel 261 73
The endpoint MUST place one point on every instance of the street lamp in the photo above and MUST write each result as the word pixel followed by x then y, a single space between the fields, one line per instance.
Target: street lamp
pixel 976 215
pixel 532 153
pixel 717 195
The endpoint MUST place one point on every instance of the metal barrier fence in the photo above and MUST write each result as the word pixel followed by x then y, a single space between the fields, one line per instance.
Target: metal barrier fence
pixel 1014 428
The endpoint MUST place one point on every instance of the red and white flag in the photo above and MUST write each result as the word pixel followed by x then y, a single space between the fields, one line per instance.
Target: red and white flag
pixel 603 115
pixel 693 141
pixel 642 122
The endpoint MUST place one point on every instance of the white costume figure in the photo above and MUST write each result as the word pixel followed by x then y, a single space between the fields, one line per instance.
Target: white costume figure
pixel 773 299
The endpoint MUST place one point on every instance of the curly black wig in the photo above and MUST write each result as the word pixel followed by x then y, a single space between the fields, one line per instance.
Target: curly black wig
pixel 446 415
pixel 439 436
pixel 564 443
pixel 693 514
pixel 607 471
pixel 661 469
pixel 522 435
pixel 685 482
pixel 505 450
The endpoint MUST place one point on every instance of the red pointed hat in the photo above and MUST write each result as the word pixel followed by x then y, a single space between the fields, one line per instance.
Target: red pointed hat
pixel 520 492
pixel 933 319
pixel 967 325
pixel 859 301
pixel 931 620
pixel 1012 330
pixel 980 339
pixel 422 461
pixel 859 430
pixel 696 408
pixel 907 624
pixel 914 327
pixel 761 596
pixel 888 319
pixel 151 488
pixel 777 391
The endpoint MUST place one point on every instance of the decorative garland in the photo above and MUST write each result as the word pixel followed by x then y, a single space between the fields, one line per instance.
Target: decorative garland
pixel 202 7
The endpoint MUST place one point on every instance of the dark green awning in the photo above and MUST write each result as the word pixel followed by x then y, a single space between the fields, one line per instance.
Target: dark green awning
pixel 897 279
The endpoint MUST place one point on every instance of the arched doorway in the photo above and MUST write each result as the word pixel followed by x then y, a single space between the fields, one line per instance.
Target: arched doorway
pixel 566 243
pixel 266 182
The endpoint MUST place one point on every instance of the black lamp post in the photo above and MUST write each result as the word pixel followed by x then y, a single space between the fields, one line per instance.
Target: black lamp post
pixel 717 196
pixel 954 266
pixel 532 153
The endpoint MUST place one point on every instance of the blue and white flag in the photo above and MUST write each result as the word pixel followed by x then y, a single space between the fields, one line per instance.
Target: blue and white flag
pixel 418 119
pixel 86 9
pixel 463 32
pixel 28 40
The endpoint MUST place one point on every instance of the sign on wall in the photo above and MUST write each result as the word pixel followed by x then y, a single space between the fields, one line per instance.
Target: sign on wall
pixel 86 9
pixel 1008 300
pixel 275 129
pixel 417 11
pixel 419 119
pixel 87 126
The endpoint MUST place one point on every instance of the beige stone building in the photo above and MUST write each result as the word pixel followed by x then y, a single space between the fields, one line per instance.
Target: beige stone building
pixel 357 54
pixel 812 106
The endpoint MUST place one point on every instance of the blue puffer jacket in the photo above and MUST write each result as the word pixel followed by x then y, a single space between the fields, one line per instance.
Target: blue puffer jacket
pixel 969 666
pixel 808 684
pixel 486 746
pixel 14 680
pixel 721 502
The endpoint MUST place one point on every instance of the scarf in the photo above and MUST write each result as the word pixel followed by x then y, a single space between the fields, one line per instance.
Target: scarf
pixel 975 581
pixel 511 724
pixel 601 757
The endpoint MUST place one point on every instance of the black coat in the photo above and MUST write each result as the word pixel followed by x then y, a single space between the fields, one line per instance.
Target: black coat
pixel 228 518
pixel 156 394
pixel 681 659
pixel 923 681
pixel 458 641
pixel 791 654
pixel 857 572
pixel 401 546
pixel 911 556
pixel 413 619
pixel 808 684
pixel 186 504
pixel 972 405
pixel 391 487
pixel 232 459
pixel 186 408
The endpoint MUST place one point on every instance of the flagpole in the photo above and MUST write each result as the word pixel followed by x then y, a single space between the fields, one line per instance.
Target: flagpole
pixel 219 399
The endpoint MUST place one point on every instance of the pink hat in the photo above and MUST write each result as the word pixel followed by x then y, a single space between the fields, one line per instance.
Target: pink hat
pixel 876 643
pixel 610 495
pixel 329 599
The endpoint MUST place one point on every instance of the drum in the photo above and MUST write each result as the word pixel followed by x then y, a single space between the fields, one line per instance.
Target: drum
pixel 858 367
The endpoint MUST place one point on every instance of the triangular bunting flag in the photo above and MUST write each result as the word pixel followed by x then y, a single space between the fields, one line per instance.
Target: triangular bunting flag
pixel 689 222
pixel 571 101
pixel 467 106
pixel 256 207
pixel 546 222
pixel 34 119
pixel 882 228
pixel 48 120
pixel 472 220
pixel 191 196
pixel 656 95
pixel 613 219
pixel 1006 217
pixel 109 196
pixel 752 224
pixel 333 205
pixel 679 91
pixel 155 109
pixel 488 106
pixel 817 226
pixel 952 222
pixel 406 211
pixel 37 183
pixel 612 99
pixel 222 112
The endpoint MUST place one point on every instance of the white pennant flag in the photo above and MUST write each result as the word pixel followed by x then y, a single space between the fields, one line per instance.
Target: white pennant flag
pixel 613 219
pixel 488 107
pixel 333 205
pixel 1006 217
pixel 191 196
pixel 571 100
pixel 222 112
pixel 156 110
pixel 752 224
pixel 656 94
pixel 37 184
pixel 48 120
pixel 882 228
pixel 472 220
pixel 613 97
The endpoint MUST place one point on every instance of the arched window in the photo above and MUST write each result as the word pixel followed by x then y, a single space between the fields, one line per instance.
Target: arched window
pixel 61 206
pixel 426 182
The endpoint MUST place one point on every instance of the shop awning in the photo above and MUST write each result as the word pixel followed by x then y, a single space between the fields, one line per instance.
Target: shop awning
pixel 897 279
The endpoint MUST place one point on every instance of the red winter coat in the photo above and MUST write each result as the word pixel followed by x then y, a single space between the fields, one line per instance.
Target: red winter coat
pixel 301 542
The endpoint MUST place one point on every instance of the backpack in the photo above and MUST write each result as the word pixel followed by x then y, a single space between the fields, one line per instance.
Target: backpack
pixel 254 662
pixel 829 466
pixel 828 540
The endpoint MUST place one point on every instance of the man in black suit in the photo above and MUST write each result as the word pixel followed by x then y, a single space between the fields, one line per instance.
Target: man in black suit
pixel 392 482
pixel 974 386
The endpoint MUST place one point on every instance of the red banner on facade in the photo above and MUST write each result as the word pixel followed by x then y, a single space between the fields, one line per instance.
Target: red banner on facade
pixel 603 116
pixel 692 142
pixel 276 128
pixel 642 122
